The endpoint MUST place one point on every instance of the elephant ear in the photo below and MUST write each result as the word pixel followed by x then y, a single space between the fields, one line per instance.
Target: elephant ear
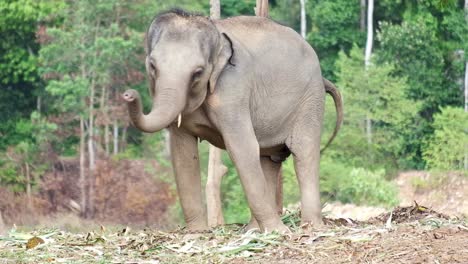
pixel 225 53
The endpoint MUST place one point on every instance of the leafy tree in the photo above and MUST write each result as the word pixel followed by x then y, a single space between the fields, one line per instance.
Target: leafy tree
pixel 19 80
pixel 417 49
pixel 85 61
pixel 231 8
pixel 22 164
pixel 335 27
pixel 286 12
pixel 413 48
pixel 374 93
pixel 446 149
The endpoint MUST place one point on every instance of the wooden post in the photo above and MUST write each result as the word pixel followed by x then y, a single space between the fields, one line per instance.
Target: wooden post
pixel 216 168
pixel 216 171
pixel 262 8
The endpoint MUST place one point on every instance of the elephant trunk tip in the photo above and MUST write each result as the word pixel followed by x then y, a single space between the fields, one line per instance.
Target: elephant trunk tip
pixel 130 95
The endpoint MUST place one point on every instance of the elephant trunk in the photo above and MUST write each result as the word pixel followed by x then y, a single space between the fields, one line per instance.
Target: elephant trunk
pixel 167 106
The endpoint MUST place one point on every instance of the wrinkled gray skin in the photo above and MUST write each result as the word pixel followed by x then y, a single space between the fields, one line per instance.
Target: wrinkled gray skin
pixel 247 85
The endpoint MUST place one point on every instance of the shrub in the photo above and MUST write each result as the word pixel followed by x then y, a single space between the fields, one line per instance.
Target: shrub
pixel 447 148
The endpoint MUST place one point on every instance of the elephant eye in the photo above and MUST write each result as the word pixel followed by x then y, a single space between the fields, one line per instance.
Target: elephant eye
pixel 152 67
pixel 197 73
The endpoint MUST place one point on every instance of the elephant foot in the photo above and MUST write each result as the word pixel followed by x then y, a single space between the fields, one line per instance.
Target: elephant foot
pixel 316 221
pixel 276 227
pixel 253 224
pixel 195 227
pixel 310 225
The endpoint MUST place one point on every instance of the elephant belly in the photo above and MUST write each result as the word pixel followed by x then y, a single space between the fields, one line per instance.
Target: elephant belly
pixel 216 139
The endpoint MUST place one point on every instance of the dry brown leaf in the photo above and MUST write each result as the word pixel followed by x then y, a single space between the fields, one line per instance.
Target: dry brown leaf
pixel 34 242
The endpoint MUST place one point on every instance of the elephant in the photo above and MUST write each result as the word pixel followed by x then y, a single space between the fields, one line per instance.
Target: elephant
pixel 247 85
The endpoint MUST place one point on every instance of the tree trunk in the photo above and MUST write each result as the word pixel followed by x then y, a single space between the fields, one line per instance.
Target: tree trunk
pixel 369 129
pixel 215 9
pixel 82 168
pixel 466 89
pixel 105 113
pixel 28 185
pixel 261 8
pixel 123 142
pixel 370 32
pixel 116 137
pixel 91 152
pixel 367 56
pixel 362 22
pixel 167 144
pixel 2 224
pixel 39 104
pixel 466 99
pixel 106 139
pixel 303 18
pixel 216 171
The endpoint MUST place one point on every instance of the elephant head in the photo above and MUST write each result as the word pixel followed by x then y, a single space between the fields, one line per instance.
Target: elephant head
pixel 185 55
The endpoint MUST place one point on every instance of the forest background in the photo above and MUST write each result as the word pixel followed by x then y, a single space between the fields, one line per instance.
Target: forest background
pixel 67 147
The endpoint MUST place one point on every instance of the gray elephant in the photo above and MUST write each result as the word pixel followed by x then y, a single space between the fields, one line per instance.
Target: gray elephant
pixel 247 85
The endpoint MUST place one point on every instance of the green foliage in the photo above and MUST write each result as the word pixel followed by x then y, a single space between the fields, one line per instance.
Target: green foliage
pixel 19 80
pixel 356 185
pixel 448 147
pixel 17 51
pixel 414 50
pixel 231 8
pixel 376 94
pixel 235 207
pixel 424 49
pixel 345 184
pixel 367 187
pixel 419 58
pixel 286 12
pixel 291 191
pixel 87 60
pixel 31 151
pixel 335 27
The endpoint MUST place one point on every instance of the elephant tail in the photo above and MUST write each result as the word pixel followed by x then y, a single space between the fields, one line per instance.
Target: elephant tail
pixel 331 89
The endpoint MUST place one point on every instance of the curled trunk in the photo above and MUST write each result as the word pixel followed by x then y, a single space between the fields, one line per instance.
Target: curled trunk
pixel 166 107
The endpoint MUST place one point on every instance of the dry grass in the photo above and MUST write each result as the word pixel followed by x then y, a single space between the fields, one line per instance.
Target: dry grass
pixel 406 235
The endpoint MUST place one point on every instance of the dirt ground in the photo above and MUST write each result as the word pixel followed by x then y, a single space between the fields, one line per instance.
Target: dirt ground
pixel 447 192
pixel 413 234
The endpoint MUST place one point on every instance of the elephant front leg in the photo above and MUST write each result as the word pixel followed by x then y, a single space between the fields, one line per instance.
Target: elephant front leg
pixel 271 171
pixel 185 161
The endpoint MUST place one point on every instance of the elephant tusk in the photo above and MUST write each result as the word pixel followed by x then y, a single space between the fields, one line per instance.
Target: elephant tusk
pixel 179 120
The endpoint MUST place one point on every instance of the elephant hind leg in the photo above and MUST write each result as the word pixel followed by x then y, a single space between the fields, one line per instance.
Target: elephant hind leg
pixel 305 147
pixel 271 171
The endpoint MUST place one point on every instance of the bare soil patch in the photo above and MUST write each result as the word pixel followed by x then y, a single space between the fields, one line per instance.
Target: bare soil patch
pixel 443 192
